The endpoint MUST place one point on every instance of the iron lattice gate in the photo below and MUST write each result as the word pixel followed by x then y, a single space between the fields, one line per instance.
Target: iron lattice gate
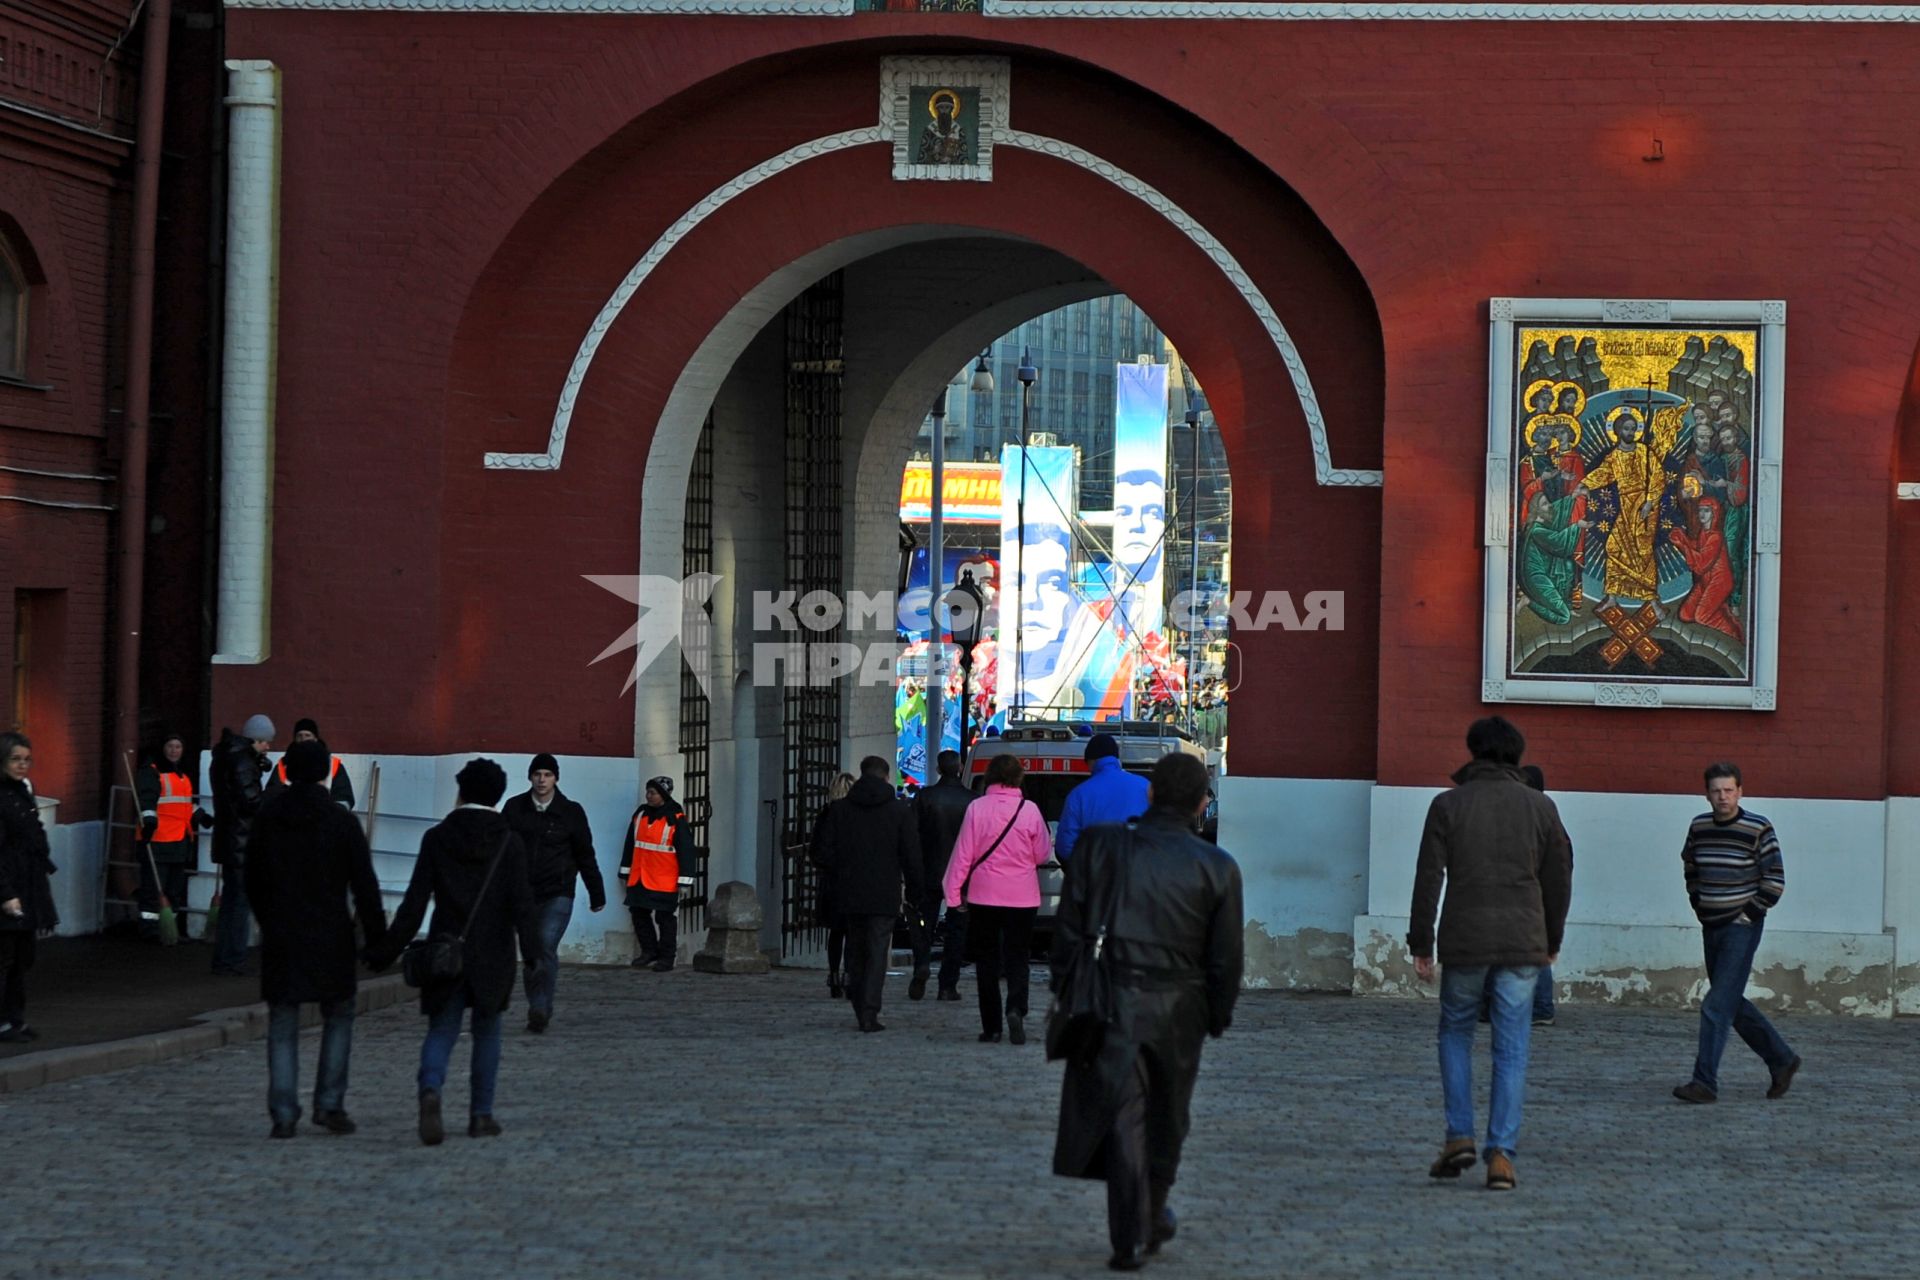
pixel 696 710
pixel 815 369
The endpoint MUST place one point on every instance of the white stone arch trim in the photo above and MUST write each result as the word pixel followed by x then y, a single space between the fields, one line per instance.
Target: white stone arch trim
pixel 1909 492
pixel 1324 471
pixel 1216 10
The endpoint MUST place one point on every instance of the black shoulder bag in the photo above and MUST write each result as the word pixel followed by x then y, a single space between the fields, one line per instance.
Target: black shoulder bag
pixel 1083 1009
pixel 440 961
pixel 982 859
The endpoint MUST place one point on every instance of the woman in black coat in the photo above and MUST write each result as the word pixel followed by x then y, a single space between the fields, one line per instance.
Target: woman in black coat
pixel 490 911
pixel 26 899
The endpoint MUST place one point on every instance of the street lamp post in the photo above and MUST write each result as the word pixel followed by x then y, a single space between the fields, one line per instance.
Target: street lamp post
pixel 936 583
pixel 1027 375
pixel 965 607
pixel 1196 405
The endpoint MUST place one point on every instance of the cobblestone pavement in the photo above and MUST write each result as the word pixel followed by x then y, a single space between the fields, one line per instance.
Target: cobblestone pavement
pixel 683 1125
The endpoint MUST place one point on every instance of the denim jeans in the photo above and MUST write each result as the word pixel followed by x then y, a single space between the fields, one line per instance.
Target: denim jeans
pixel 1542 996
pixel 555 914
pixel 443 1031
pixel 1730 949
pixel 236 925
pixel 283 1059
pixel 1460 988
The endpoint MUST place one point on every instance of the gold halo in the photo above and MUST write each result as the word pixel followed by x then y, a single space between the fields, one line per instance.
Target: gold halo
pixel 949 95
pixel 1580 401
pixel 1638 417
pixel 1690 486
pixel 1527 399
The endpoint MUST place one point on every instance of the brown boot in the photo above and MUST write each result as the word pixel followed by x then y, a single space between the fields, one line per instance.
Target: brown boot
pixel 1499 1171
pixel 1454 1157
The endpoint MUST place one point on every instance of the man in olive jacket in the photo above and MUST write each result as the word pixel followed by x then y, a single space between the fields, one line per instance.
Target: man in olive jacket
pixel 1174 940
pixel 1497 847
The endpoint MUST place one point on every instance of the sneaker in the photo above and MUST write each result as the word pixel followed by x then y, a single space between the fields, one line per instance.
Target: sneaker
pixel 917 988
pixel 1456 1156
pixel 1016 1029
pixel 1499 1171
pixel 335 1122
pixel 537 1020
pixel 483 1127
pixel 1783 1079
pixel 1694 1091
pixel 1542 1019
pixel 432 1131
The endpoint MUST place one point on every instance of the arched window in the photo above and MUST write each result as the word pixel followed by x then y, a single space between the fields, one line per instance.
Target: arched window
pixel 13 314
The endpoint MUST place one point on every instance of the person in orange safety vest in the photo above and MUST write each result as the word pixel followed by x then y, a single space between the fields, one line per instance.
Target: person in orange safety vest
pixel 656 863
pixel 170 822
pixel 338 784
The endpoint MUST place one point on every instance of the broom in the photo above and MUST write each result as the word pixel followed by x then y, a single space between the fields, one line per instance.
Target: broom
pixel 169 923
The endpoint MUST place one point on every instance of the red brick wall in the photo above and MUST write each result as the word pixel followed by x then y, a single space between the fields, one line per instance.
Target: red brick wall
pixel 422 149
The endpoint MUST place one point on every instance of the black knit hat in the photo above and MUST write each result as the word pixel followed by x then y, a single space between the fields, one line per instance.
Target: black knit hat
pixel 662 784
pixel 1102 745
pixel 307 761
pixel 544 761
pixel 307 726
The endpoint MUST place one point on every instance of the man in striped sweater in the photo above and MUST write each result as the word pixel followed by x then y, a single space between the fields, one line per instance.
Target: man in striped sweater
pixel 1734 877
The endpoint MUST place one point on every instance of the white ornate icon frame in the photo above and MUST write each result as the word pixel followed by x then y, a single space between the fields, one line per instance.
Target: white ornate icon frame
pixel 898 113
pixel 1763 623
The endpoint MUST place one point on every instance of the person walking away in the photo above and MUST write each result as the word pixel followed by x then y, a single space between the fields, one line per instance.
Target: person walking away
pixel 938 811
pixel 1497 847
pixel 1735 875
pixel 305 857
pixel 656 867
pixel 27 912
pixel 339 784
pixel 559 845
pixel 1543 986
pixel 994 876
pixel 826 908
pixel 1109 794
pixel 473 870
pixel 1174 940
pixel 169 821
pixel 239 770
pixel 870 846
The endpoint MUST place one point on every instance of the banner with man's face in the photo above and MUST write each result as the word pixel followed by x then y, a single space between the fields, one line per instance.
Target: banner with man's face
pixel 1140 495
pixel 1038 604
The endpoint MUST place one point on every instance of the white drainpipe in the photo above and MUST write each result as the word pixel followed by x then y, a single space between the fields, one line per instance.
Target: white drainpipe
pixel 244 593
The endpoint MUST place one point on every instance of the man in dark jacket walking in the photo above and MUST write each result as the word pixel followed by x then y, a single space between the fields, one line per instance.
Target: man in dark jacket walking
pixel 937 812
pixel 559 854
pixel 1497 847
pixel 239 769
pixel 304 856
pixel 870 846
pixel 1165 907
pixel 27 911
pixel 473 870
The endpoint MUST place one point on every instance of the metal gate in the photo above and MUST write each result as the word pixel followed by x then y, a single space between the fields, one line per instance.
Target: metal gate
pixel 815 371
pixel 696 710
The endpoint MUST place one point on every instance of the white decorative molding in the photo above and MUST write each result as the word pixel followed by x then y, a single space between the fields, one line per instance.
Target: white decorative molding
pixel 1253 11
pixel 691 8
pixel 1497 521
pixel 899 115
pixel 1325 473
pixel 1762 619
pixel 1493 691
pixel 1907 491
pixel 1627 695
pixel 1635 311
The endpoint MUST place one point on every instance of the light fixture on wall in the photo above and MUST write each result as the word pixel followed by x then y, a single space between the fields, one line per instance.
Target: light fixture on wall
pixel 983 373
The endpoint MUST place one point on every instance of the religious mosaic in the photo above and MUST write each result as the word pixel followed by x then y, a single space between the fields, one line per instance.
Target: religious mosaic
pixel 1632 502
pixel 943 115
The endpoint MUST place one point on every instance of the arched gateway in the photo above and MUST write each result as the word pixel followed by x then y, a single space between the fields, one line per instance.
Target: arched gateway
pixel 622 299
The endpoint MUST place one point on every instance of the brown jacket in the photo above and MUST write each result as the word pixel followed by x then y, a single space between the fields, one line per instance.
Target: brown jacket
pixel 1498 847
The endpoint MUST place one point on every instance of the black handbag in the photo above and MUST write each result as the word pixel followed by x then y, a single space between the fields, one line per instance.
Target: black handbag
pixel 1083 1007
pixel 439 960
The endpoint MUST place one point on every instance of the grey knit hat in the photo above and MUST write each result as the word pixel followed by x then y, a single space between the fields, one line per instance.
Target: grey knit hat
pixel 258 728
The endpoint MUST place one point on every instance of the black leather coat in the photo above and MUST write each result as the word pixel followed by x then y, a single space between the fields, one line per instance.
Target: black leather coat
pixel 239 775
pixel 1175 939
pixel 938 811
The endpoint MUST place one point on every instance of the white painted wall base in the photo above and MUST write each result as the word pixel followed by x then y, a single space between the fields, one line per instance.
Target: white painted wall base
pixel 1302 848
pixel 80 857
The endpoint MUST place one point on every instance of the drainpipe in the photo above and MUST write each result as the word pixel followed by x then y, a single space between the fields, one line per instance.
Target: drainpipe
pixel 249 341
pixel 131 578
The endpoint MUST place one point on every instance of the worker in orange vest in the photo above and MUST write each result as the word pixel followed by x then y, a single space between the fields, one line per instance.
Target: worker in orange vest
pixel 170 820
pixel 656 863
pixel 338 784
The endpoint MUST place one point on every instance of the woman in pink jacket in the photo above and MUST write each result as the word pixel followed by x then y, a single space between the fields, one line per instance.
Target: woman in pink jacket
pixel 1003 841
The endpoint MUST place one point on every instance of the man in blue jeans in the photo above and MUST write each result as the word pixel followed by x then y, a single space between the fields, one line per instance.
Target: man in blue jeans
pixel 1734 877
pixel 559 854
pixel 1498 849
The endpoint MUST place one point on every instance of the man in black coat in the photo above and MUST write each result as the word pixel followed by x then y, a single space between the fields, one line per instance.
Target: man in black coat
pixel 938 811
pixel 239 771
pixel 473 869
pixel 559 854
pixel 27 912
pixel 304 856
pixel 870 846
pixel 1173 940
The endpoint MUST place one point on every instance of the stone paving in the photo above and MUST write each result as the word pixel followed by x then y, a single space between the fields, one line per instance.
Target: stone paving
pixel 684 1125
